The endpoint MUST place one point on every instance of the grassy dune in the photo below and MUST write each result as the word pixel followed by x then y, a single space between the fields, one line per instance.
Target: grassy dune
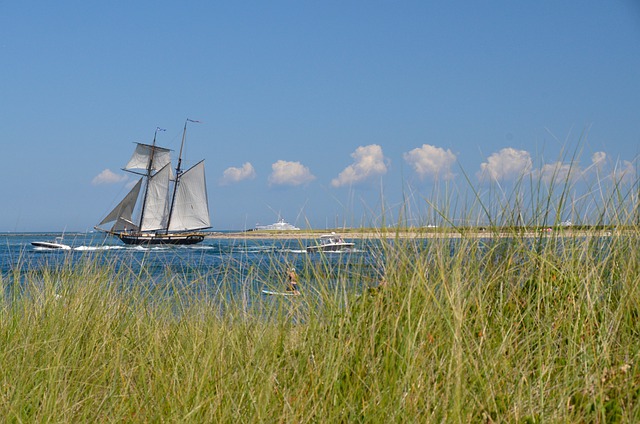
pixel 505 329
pixel 510 330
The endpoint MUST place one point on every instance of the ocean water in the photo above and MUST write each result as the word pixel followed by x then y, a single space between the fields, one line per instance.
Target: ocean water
pixel 241 265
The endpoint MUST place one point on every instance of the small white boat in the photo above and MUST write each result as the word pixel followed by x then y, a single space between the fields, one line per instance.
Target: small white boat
pixel 56 244
pixel 331 243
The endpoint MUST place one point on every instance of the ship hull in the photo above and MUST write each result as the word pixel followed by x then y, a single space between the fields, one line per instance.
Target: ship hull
pixel 333 247
pixel 161 239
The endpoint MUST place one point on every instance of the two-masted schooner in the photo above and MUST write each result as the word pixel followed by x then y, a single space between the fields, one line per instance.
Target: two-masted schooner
pixel 173 209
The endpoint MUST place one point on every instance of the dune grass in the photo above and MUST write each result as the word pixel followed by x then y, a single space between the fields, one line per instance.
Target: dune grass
pixel 495 329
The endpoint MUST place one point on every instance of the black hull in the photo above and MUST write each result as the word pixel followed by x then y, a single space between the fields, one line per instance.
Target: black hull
pixel 161 239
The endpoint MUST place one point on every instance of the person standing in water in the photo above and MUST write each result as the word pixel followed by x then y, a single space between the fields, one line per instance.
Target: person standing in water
pixel 292 281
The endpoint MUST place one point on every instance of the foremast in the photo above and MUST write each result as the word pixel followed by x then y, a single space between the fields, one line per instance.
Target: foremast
pixel 148 176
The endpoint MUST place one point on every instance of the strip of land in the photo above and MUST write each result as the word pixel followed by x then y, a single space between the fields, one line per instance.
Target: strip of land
pixel 412 234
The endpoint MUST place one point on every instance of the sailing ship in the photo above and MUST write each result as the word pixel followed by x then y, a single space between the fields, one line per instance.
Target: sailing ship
pixel 173 209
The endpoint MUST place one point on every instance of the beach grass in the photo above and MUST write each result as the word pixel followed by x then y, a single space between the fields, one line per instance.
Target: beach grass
pixel 516 328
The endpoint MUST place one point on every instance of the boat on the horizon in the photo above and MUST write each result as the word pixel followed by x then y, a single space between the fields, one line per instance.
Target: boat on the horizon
pixel 57 244
pixel 280 225
pixel 172 209
pixel 331 243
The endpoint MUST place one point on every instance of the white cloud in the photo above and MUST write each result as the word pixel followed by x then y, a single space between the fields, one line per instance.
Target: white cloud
pixel 557 172
pixel 598 158
pixel 290 173
pixel 108 177
pixel 431 161
pixel 598 162
pixel 624 172
pixel 233 175
pixel 507 163
pixel 368 162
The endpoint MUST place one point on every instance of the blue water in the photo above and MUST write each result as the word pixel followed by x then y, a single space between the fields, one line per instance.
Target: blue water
pixel 241 265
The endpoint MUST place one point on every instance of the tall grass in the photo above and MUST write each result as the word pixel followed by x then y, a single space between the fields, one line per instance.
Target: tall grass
pixel 509 327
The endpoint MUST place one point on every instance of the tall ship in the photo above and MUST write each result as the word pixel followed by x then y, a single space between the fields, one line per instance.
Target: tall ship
pixel 162 207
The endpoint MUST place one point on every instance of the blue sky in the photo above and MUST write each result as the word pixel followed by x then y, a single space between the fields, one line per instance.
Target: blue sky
pixel 318 112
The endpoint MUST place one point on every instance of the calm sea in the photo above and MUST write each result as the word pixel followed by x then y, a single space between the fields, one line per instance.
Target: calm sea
pixel 247 265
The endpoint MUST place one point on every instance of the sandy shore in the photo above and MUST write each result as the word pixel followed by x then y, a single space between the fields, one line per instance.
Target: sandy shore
pixel 294 235
pixel 405 234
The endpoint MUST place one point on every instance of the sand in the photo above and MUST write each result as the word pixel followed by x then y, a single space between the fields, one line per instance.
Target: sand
pixel 407 234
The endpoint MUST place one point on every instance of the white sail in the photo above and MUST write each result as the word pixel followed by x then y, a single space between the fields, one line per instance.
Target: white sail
pixel 142 156
pixel 123 211
pixel 124 225
pixel 156 206
pixel 191 205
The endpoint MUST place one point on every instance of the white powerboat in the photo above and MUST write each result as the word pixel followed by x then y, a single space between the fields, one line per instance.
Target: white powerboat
pixel 331 243
pixel 56 244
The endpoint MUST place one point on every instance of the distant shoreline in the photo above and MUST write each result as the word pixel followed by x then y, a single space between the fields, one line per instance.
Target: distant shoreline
pixel 372 233
pixel 407 234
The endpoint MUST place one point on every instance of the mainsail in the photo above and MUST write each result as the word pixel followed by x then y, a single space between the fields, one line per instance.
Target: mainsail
pixel 166 204
pixel 191 206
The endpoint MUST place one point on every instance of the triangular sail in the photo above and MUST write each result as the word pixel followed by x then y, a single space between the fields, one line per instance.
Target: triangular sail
pixel 124 225
pixel 122 213
pixel 157 202
pixel 142 156
pixel 191 205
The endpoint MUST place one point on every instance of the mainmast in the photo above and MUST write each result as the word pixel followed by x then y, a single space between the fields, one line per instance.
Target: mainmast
pixel 178 172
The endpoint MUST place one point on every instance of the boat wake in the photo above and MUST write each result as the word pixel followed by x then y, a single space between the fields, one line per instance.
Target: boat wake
pixel 97 248
pixel 139 248
pixel 295 251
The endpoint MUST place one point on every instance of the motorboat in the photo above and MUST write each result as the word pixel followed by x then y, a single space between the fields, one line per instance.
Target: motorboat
pixel 56 244
pixel 331 243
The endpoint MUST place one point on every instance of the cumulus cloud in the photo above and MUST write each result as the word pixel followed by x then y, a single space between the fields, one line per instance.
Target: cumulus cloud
pixel 598 158
pixel 507 163
pixel 368 162
pixel 108 177
pixel 557 172
pixel 234 175
pixel 290 173
pixel 598 162
pixel 431 161
pixel 624 172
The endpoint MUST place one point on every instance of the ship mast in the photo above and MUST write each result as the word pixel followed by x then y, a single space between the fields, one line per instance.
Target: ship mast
pixel 178 172
pixel 148 176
